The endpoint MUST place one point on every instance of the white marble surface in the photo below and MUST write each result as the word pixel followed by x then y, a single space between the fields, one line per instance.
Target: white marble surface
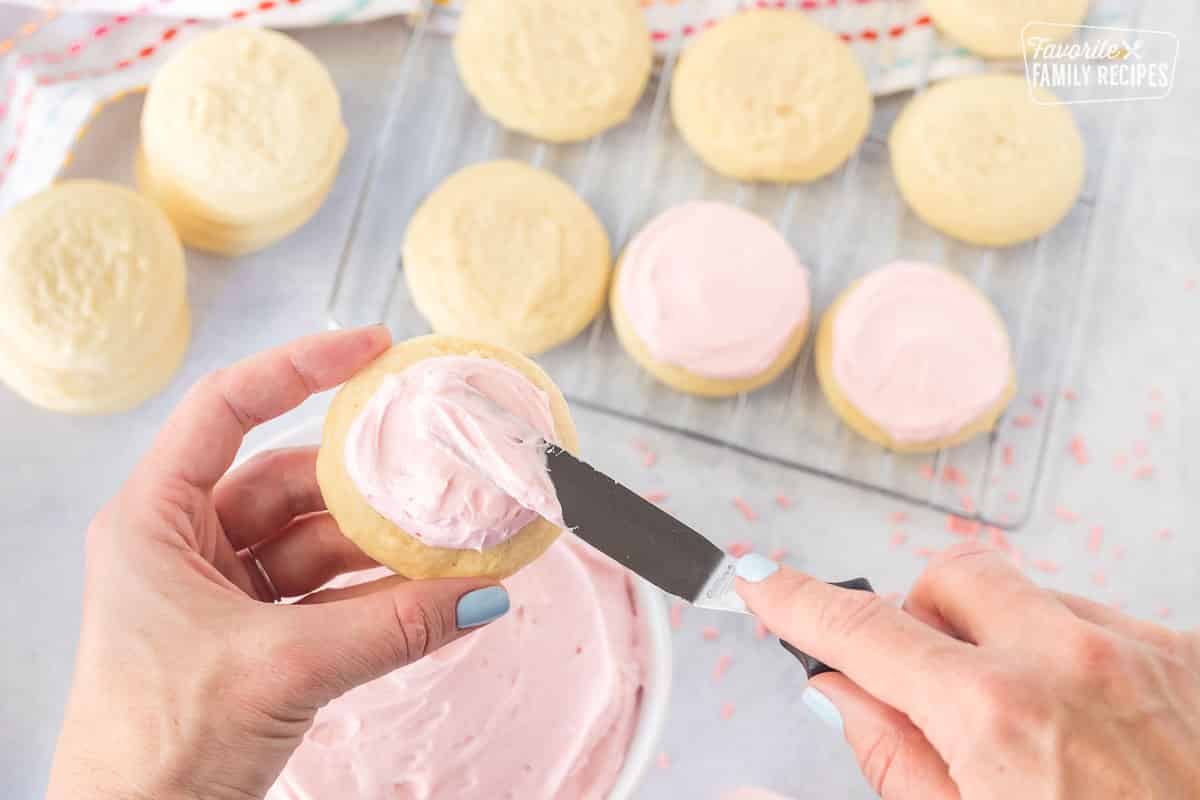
pixel 1139 329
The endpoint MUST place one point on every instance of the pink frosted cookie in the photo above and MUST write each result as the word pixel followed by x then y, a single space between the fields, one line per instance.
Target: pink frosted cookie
pixel 710 299
pixel 915 358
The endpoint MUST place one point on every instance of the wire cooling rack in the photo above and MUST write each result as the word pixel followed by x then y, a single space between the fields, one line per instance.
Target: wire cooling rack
pixel 842 226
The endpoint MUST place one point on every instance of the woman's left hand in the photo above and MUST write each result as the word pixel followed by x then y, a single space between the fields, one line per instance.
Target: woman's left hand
pixel 190 682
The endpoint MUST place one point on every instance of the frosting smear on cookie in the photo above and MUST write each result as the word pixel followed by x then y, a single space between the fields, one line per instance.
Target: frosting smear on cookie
pixel 443 449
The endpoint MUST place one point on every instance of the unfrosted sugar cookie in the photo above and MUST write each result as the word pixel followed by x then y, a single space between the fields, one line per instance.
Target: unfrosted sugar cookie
pixel 412 503
pixel 994 28
pixel 711 300
pixel 241 139
pixel 559 71
pixel 770 95
pixel 979 160
pixel 504 253
pixel 915 358
pixel 93 308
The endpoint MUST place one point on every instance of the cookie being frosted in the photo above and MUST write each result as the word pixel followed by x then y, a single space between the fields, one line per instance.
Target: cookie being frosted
pixel 559 71
pixel 915 358
pixel 241 138
pixel 93 307
pixel 994 28
pixel 770 95
pixel 482 506
pixel 979 160
pixel 504 253
pixel 711 300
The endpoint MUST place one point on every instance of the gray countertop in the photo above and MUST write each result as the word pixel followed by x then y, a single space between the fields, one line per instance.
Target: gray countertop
pixel 1137 360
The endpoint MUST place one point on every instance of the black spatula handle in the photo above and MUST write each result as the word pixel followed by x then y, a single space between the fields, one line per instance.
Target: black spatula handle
pixel 811 665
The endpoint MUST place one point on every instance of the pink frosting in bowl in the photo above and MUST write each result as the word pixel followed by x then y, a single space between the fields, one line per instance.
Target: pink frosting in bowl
pixel 713 289
pixel 920 352
pixel 561 698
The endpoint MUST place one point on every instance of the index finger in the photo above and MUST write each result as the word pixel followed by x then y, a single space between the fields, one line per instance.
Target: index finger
pixel 202 436
pixel 886 651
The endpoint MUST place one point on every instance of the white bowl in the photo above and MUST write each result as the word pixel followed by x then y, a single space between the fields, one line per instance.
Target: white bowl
pixel 656 692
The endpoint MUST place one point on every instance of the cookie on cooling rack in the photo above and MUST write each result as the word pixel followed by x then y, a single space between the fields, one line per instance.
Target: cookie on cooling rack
pixel 711 300
pixel 412 504
pixel 505 253
pixel 915 358
pixel 242 136
pixel 770 95
pixel 994 28
pixel 93 306
pixel 983 160
pixel 558 71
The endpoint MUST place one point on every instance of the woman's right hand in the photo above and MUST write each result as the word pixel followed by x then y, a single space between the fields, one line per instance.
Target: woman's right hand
pixel 986 686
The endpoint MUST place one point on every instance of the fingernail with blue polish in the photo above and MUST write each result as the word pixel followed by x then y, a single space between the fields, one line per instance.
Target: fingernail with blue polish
pixel 755 568
pixel 481 607
pixel 820 705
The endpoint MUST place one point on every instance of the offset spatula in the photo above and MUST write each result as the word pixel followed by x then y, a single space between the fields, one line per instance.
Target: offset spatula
pixel 629 529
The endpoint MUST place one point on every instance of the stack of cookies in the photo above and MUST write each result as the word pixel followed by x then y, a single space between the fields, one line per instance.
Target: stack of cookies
pixel 93 307
pixel 241 138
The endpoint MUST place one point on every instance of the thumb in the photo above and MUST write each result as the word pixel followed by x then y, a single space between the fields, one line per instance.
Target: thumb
pixel 353 635
pixel 894 756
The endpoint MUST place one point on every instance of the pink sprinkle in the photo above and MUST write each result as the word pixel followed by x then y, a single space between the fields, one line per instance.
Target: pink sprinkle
pixel 710 634
pixel 925 552
pixel 663 760
pixel 676 615
pixel 778 554
pixel 1012 497
pixel 1163 612
pixel 1070 394
pixel 898 539
pixel 954 475
pixel 760 631
pixel 1100 578
pixel 1009 456
pixel 745 508
pixel 967 503
pixel 926 471
pixel 1045 566
pixel 1156 420
pixel 738 549
pixel 723 664
pixel 998 539
pixel 1156 395
pixel 649 458
pixel 1140 449
pixel 654 497
pixel 1118 552
pixel 1066 515
pixel 1095 542
pixel 1144 471
pixel 1120 460
pixel 783 501
pixel 1039 400
pixel 1023 421
pixel 1079 450
pixel 727 710
pixel 1162 534
pixel 961 527
pixel 898 516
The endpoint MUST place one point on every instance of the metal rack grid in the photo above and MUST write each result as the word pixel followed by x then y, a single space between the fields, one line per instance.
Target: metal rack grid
pixel 842 226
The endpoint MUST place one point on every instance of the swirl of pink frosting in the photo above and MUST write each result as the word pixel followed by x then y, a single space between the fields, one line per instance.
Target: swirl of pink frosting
pixel 713 289
pixel 429 454
pixel 919 352
pixel 540 705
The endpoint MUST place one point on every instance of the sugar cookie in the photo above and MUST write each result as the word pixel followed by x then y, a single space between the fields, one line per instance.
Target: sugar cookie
pixel 993 28
pixel 979 160
pixel 93 307
pixel 770 95
pixel 409 503
pixel 507 254
pixel 915 358
pixel 559 71
pixel 711 300
pixel 241 138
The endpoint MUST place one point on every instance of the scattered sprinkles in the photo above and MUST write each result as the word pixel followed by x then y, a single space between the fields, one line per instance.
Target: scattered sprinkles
pixel 724 662
pixel 1162 534
pixel 649 457
pixel 960 526
pixel 898 539
pixel 1156 420
pixel 1023 421
pixel 1008 455
pixel 1095 542
pixel 1144 472
pixel 676 615
pixel 1042 565
pixel 783 501
pixel 1099 578
pixel 1079 451
pixel 744 507
pixel 898 516
pixel 1120 460
pixel 998 539
pixel 760 631
pixel 954 475
pixel 1066 514
pixel 1038 400
pixel 1163 612
pixel 1140 448
pixel 710 634
pixel 663 760
pixel 1118 552
pixel 925 552
pixel 778 554
pixel 738 549
pixel 654 497
pixel 727 710
pixel 1070 394
pixel 926 471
